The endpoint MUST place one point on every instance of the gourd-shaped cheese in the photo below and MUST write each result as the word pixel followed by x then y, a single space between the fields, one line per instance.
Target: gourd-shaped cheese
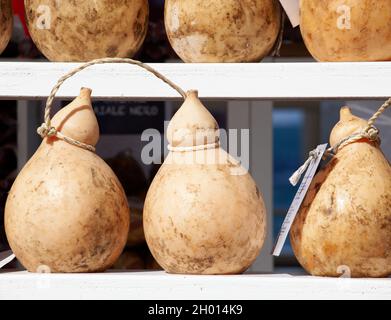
pixel 6 23
pixel 344 224
pixel 67 211
pixel 86 30
pixel 222 30
pixel 347 30
pixel 203 212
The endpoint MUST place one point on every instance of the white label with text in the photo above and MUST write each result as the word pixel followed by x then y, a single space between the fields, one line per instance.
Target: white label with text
pixel 299 198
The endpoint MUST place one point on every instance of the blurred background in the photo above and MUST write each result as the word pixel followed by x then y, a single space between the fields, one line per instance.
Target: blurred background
pixel 297 128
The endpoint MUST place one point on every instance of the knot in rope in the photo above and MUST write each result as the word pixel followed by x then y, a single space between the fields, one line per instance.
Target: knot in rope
pixel 372 133
pixel 295 178
pixel 46 130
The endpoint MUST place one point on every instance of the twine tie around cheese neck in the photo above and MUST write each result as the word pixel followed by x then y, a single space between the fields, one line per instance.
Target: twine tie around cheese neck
pixel 370 133
pixel 46 130
pixel 194 148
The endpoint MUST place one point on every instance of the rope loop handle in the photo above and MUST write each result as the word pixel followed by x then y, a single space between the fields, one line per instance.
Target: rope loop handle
pixel 46 130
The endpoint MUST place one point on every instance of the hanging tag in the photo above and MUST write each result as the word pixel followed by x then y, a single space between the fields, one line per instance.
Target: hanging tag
pixel 5 258
pixel 292 9
pixel 299 198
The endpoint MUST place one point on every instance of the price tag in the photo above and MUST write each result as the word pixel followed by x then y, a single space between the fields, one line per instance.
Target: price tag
pixel 299 198
pixel 5 258
pixel 292 9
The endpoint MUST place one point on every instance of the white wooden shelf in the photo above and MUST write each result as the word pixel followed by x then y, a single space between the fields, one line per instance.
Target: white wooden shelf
pixel 261 81
pixel 161 286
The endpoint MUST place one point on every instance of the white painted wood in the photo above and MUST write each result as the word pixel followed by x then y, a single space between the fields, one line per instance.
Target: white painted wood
pixel 161 286
pixel 261 81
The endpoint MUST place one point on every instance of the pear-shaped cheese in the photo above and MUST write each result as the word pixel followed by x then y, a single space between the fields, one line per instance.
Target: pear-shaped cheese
pixel 345 220
pixel 67 211
pixel 203 212
pixel 347 30
pixel 6 23
pixel 222 30
pixel 87 30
